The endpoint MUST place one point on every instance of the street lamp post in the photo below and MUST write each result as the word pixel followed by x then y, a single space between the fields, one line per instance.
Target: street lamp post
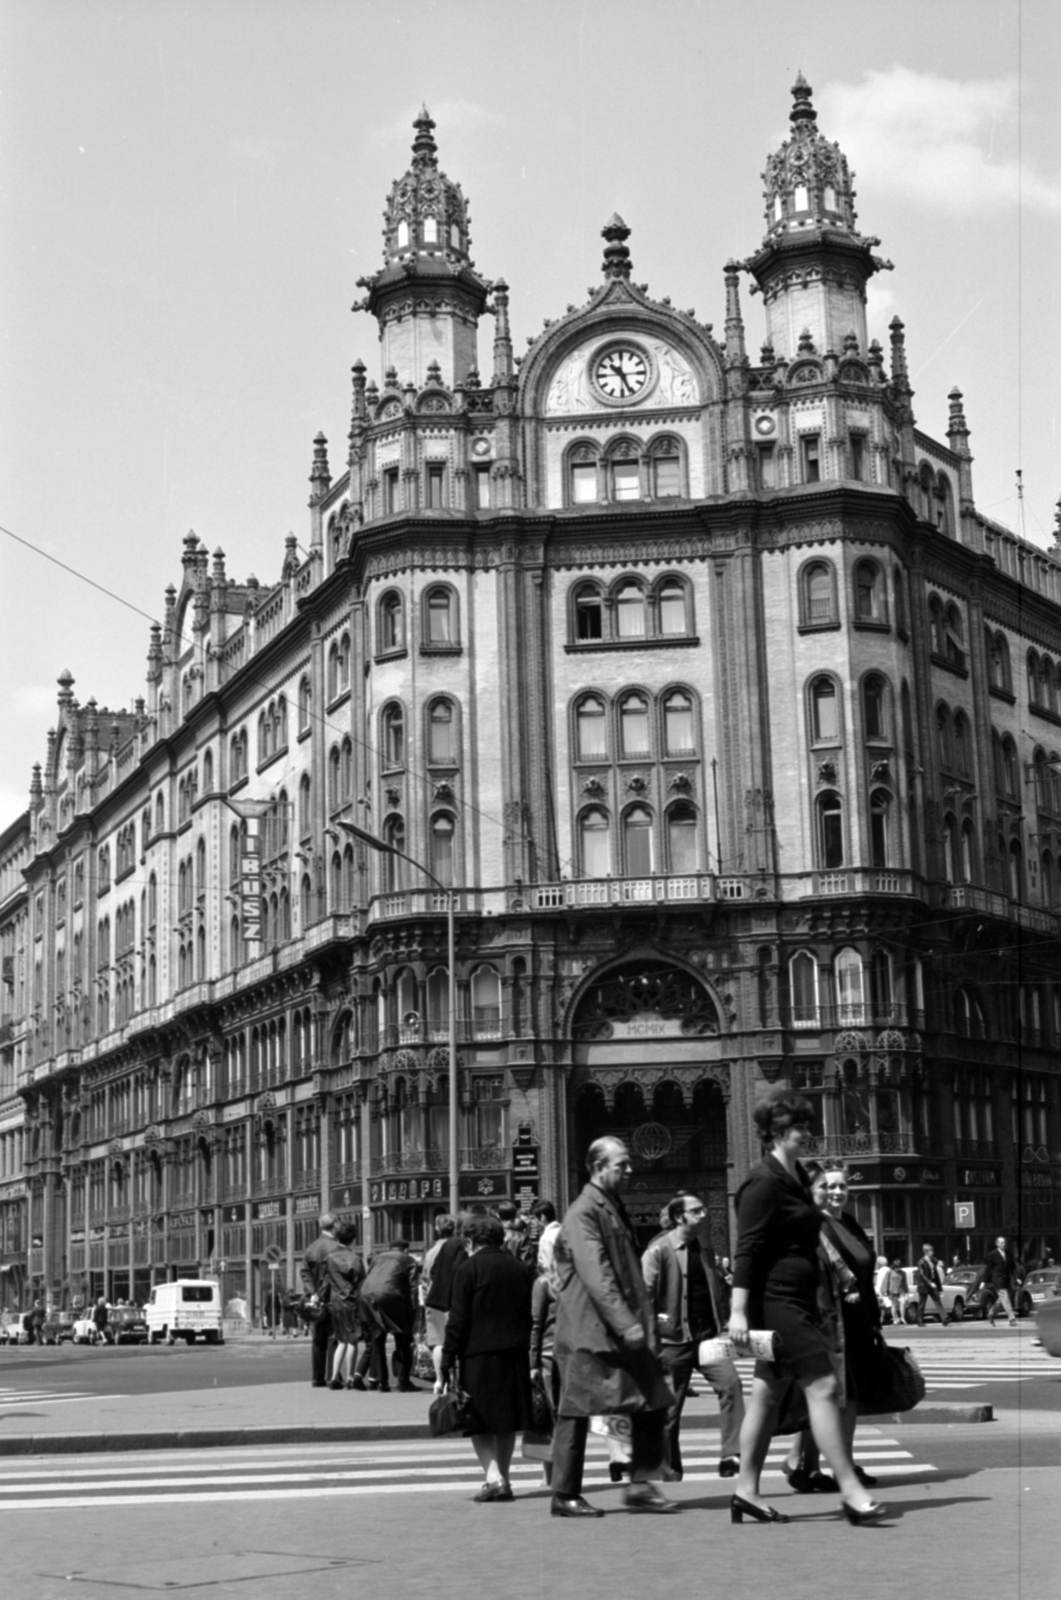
pixel 384 848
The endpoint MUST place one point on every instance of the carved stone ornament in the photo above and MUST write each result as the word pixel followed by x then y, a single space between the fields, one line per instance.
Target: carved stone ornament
pixel 681 783
pixel 393 795
pixel 443 790
pixel 265 1102
pixel 827 772
pixel 880 772
pixel 637 784
pixel 593 787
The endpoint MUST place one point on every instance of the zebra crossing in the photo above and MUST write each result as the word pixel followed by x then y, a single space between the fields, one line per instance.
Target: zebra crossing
pixel 44 1397
pixel 262 1473
pixel 954 1364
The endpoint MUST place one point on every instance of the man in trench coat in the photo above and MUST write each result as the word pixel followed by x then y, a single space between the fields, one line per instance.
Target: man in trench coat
pixel 604 1346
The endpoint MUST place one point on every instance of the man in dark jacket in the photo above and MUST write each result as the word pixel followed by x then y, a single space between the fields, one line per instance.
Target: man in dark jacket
pixel 683 1286
pixel 388 1298
pixel 929 1284
pixel 604 1345
pixel 440 1264
pixel 999 1280
pixel 315 1283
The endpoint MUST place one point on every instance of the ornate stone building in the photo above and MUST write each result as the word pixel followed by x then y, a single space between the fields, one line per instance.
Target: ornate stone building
pixel 700 676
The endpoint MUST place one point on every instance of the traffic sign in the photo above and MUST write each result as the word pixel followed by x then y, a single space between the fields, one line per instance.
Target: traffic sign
pixel 965 1213
pixel 274 1254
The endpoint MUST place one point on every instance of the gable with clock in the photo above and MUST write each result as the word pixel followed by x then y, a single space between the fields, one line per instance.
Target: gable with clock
pixel 608 374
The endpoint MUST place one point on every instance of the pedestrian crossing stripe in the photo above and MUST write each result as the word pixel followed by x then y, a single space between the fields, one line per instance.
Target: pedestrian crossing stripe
pixel 390 1471
pixel 38 1397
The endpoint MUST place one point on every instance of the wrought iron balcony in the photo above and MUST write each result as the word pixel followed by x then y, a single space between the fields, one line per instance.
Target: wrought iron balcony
pixel 867 1144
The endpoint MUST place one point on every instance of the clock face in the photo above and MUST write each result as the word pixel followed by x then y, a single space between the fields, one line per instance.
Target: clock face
pixel 621 373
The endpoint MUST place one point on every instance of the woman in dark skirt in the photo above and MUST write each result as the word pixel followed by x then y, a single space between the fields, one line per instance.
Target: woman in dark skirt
pixel 775 1286
pixel 488 1335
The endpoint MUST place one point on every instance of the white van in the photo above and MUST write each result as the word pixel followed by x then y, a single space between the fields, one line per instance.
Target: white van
pixel 184 1309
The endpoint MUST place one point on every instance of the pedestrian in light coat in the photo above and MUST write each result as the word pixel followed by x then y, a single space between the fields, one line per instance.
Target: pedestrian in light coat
pixel 604 1346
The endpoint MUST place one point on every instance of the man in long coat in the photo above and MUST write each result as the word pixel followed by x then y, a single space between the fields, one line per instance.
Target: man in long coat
pixel 315 1283
pixel 604 1346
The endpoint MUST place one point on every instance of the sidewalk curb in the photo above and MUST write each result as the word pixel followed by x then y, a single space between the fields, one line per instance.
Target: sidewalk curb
pixel 46 1444
pixel 42 1444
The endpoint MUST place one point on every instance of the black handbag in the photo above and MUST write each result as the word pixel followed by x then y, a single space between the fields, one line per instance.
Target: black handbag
pixel 541 1411
pixel 893 1383
pixel 449 1412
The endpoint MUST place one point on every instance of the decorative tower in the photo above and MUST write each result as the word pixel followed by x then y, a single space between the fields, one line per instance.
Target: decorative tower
pixel 813 265
pixel 428 298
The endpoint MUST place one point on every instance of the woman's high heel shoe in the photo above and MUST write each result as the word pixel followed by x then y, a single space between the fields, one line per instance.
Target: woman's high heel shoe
pixel 740 1508
pixel 857 1515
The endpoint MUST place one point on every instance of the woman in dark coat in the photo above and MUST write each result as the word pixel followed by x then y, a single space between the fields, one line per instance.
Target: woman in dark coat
pixel 488 1335
pixel 775 1286
pixel 344 1273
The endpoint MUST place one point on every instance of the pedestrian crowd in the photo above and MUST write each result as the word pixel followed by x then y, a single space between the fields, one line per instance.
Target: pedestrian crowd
pixel 554 1329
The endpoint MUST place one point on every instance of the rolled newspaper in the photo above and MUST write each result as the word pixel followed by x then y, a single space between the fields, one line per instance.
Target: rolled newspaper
pixel 763 1345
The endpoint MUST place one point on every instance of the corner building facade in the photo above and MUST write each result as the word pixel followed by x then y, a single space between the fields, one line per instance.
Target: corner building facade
pixel 699 675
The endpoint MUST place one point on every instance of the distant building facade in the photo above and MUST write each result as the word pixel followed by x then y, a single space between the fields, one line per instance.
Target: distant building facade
pixel 736 726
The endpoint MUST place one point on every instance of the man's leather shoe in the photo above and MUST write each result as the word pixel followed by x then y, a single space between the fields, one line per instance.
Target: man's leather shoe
pixel 729 1466
pixel 646 1497
pixel 573 1506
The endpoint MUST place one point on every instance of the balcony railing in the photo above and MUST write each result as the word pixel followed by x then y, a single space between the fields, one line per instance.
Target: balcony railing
pixel 976 1149
pixel 487 1158
pixel 861 1014
pixel 868 1144
pixel 346 1172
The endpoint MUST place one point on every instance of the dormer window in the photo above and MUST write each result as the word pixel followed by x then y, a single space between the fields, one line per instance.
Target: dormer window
pixel 403 235
pixel 430 231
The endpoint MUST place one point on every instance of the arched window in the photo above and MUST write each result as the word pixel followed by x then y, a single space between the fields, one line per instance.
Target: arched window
pixel 160 814
pixel 869 592
pixel 440 616
pixel 949 849
pixel 391 623
pixel 633 727
pixel 968 859
pixel 850 998
pixel 305 901
pixel 486 1002
pixel 1034 687
pixel 679 734
pixel 1016 870
pixel 594 834
pixel 899 592
pixel 335 882
pixel 672 608
pixel 589 613
pixel 825 714
pixel 438 1003
pixel 348 876
pixel 393 866
pixel 624 475
pixel 442 838
pixel 583 476
pixel 683 847
pixel 334 778
pixel 803 975
pixel 961 744
pixel 943 736
pixel 305 705
pixel 637 843
pixel 998 662
pixel 817 594
pixel 442 744
pixel 874 707
pixel 630 611
pixel 1010 779
pixel 393 736
pixel 208 772
pixel 830 830
pixel 954 636
pixel 666 469
pixel 879 825
pixel 591 735
pixel 305 812
pixel 346 769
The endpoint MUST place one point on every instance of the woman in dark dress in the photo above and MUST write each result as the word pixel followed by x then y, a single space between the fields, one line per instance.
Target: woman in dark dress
pixel 488 1335
pixel 775 1286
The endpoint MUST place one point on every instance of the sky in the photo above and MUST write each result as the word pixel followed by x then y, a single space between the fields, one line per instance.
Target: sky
pixel 189 192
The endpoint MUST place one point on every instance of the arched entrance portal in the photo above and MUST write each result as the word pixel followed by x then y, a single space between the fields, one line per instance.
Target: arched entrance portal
pixel 648 1069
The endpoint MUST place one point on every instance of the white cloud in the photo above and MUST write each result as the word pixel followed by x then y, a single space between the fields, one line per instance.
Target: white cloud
pixel 932 139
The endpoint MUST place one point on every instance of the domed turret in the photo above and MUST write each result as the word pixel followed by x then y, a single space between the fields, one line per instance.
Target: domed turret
pixel 813 265
pixel 427 298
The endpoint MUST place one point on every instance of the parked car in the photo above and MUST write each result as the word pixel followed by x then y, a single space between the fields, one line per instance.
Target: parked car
pixel 58 1327
pixel 185 1309
pixel 85 1331
pixel 128 1325
pixel 1042 1284
pixel 16 1329
pixel 961 1296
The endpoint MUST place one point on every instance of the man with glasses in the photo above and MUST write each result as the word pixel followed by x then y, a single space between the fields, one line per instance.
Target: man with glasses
pixel 683 1284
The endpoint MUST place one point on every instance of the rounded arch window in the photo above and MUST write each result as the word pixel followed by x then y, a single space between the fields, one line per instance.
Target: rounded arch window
pixel 393 740
pixel 818 594
pixel 803 976
pixel 391 622
pixel 634 742
pixel 442 848
pixel 869 592
pixel 630 611
pixel 879 820
pixel 672 608
pixel 679 733
pixel 637 842
pixel 591 733
pixel 830 819
pixel 583 476
pixel 440 616
pixel 961 744
pixel 874 707
pixel 683 843
pixel 442 741
pixel 666 470
pixel 825 712
pixel 594 833
pixel 394 837
pixel 589 612
pixel 850 997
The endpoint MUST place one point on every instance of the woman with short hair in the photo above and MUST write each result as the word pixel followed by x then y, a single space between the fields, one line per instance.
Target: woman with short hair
pixel 775 1287
pixel 488 1342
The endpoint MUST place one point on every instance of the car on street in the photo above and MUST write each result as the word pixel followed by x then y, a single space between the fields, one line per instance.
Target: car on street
pixel 85 1331
pixel 16 1328
pixel 960 1294
pixel 1042 1284
pixel 58 1327
pixel 128 1325
pixel 1048 1322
